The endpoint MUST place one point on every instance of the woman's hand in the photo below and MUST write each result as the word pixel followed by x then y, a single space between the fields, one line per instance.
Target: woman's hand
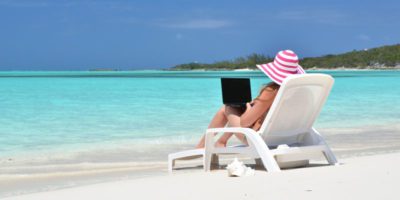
pixel 248 105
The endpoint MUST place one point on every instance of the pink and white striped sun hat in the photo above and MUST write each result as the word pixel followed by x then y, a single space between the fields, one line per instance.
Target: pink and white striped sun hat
pixel 286 63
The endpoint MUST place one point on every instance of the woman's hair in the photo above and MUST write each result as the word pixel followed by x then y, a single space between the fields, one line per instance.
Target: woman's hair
pixel 271 85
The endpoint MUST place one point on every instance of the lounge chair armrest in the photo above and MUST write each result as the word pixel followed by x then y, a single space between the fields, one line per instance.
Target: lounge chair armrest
pixel 211 132
pixel 245 131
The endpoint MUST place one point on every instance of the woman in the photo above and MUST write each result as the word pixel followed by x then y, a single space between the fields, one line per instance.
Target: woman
pixel 285 64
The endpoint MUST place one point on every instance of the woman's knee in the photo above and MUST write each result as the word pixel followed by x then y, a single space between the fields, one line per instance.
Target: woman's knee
pixel 222 110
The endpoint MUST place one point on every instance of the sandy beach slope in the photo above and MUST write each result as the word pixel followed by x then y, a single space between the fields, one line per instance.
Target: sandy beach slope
pixel 369 177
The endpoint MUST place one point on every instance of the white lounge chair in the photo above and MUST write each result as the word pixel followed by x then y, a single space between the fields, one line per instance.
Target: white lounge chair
pixel 286 135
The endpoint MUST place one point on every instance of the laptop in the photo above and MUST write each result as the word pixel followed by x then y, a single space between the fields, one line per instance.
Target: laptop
pixel 236 92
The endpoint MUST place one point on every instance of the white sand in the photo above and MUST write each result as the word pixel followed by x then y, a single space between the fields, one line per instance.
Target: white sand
pixel 370 177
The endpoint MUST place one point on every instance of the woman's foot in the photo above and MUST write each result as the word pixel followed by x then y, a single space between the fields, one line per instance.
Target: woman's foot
pixel 201 143
pixel 220 144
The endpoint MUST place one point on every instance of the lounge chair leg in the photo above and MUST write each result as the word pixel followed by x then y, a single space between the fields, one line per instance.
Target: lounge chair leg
pixel 171 164
pixel 330 157
pixel 207 161
pixel 264 153
pixel 209 146
pixel 270 163
pixel 214 162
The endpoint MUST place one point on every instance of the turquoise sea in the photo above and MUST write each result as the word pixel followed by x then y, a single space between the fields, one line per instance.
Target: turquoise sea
pixel 84 116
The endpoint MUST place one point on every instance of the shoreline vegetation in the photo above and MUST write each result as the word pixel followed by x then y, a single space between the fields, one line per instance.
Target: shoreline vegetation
pixel 380 58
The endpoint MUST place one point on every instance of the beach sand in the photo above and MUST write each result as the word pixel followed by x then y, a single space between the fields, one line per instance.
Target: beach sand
pixel 366 177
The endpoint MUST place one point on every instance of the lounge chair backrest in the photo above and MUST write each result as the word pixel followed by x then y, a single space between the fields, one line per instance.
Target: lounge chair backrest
pixel 295 108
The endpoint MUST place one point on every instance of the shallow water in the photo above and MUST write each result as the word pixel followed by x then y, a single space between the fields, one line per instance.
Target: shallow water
pixel 64 117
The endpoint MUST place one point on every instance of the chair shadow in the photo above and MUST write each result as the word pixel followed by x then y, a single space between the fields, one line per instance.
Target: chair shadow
pixel 253 166
pixel 189 168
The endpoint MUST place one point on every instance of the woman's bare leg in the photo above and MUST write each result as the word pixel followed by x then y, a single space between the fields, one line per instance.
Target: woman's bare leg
pixel 219 120
pixel 233 117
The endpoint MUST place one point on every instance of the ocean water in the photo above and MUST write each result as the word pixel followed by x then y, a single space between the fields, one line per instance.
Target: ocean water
pixel 111 116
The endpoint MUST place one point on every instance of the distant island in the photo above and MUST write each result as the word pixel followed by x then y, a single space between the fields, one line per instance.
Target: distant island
pixel 385 57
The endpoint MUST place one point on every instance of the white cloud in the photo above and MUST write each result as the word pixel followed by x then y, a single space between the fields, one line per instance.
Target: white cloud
pixel 195 24
pixel 364 37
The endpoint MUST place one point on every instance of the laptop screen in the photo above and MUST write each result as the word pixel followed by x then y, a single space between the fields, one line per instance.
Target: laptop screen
pixel 236 90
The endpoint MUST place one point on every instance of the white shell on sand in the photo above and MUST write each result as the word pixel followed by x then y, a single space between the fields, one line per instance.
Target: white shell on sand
pixel 237 169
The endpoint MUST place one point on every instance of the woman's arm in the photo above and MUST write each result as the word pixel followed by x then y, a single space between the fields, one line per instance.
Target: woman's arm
pixel 261 105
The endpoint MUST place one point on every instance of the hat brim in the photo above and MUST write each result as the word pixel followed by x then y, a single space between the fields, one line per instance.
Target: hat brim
pixel 277 77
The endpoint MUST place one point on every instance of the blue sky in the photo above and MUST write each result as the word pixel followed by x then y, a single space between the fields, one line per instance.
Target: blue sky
pixel 85 34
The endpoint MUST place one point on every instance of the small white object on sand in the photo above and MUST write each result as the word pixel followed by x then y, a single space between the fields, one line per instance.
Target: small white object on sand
pixel 238 169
